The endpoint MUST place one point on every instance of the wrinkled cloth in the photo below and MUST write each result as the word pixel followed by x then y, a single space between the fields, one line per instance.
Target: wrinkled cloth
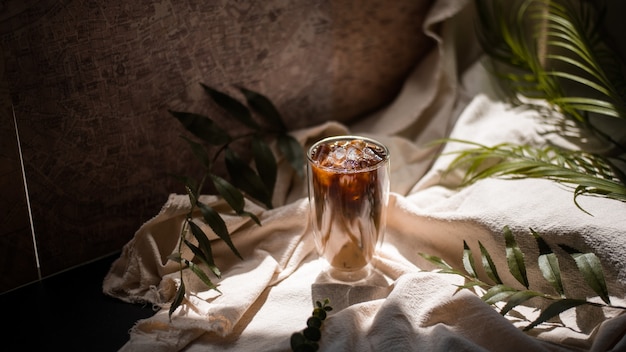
pixel 407 306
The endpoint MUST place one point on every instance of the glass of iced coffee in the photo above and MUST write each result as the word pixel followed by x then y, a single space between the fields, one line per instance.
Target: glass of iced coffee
pixel 348 180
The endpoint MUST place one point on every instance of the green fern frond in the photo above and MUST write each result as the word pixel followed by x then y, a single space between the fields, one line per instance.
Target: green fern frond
pixel 553 50
pixel 573 28
pixel 587 173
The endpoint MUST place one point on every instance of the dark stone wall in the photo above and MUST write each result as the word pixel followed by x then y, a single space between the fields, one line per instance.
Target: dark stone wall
pixel 90 83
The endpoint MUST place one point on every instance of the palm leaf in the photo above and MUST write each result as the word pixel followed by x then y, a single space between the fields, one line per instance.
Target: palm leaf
pixel 553 50
pixel 587 173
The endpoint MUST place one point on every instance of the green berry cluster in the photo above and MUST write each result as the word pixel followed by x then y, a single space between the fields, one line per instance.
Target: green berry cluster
pixel 307 339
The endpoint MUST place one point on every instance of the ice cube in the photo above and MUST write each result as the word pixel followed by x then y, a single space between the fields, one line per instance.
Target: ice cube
pixel 339 154
pixel 353 154
pixel 370 156
pixel 348 155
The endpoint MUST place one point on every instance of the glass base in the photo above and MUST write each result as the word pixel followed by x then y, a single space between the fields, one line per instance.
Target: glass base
pixel 345 288
pixel 330 274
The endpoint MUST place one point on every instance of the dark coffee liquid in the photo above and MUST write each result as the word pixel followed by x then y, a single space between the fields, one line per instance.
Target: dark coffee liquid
pixel 349 188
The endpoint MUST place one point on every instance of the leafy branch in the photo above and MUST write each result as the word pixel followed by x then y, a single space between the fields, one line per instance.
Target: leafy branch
pixel 555 51
pixel 255 183
pixel 496 291
pixel 548 52
pixel 307 339
pixel 587 173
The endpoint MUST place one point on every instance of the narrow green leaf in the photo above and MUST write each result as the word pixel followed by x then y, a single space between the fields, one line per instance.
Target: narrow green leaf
pixel 580 80
pixel 205 247
pixel 235 108
pixel 244 177
pixel 498 293
pixel 468 260
pixel 469 284
pixel 488 265
pixel 233 197
pixel 576 52
pixel 574 62
pixel 192 193
pixel 199 152
pixel 543 246
pixel 264 107
pixel 202 127
pixel 218 225
pixel 451 271
pixel 293 152
pixel 555 309
pixel 230 193
pixel 590 267
pixel 518 298
pixel 549 264
pixel 178 299
pixel 515 258
pixel 202 275
pixel 265 163
pixel 200 255
pixel 251 216
pixel 437 261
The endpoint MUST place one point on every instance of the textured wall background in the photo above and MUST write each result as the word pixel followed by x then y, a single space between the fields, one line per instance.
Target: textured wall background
pixel 17 250
pixel 91 81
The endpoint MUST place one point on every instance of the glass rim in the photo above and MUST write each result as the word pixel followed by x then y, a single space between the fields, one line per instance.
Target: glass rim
pixel 348 137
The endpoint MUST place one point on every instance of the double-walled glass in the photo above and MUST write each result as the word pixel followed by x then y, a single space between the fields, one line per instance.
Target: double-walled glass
pixel 348 181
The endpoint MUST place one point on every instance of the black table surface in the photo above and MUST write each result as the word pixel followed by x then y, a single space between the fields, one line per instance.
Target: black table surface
pixel 68 312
